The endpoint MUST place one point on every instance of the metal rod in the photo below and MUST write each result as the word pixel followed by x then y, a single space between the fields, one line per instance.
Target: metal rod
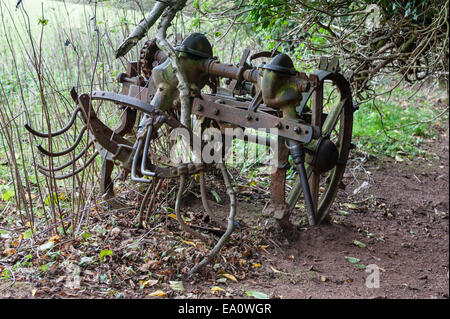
pixel 66 151
pixel 53 134
pixel 89 161
pixel 58 168
pixel 134 164
pixel 307 193
pixel 144 154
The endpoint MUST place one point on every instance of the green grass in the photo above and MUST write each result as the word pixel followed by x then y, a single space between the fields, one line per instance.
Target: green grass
pixel 403 126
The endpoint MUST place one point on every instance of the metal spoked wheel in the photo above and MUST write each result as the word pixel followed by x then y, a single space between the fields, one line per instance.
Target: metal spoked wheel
pixel 332 110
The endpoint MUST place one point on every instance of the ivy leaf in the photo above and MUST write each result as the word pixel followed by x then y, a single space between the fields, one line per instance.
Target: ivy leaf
pixel 256 294
pixel 6 196
pixel 358 243
pixel 353 260
pixel 43 21
pixel 216 197
pixel 105 253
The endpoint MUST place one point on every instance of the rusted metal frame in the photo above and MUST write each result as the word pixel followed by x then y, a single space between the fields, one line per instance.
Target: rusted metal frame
pixel 106 182
pixel 287 128
pixel 215 68
pixel 241 64
pixel 123 100
pixel 278 186
pixel 113 142
pixel 256 102
pixel 106 137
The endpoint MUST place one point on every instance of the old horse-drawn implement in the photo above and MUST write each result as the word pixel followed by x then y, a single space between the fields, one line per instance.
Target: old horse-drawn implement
pixel 309 118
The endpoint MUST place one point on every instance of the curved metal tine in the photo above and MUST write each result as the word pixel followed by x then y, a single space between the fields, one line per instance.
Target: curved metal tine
pixel 180 220
pixel 59 132
pixel 76 158
pixel 89 161
pixel 134 165
pixel 66 151
pixel 205 202
pixel 230 226
pixel 144 154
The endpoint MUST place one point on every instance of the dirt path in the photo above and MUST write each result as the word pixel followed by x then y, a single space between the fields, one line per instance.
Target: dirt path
pixel 396 225
pixel 401 218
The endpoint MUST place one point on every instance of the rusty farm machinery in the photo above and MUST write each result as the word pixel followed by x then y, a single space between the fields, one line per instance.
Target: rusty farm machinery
pixel 312 130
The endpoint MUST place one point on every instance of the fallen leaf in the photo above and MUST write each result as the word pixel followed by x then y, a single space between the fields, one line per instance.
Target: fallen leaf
pixel 148 283
pixel 349 280
pixel 189 243
pixel 104 253
pixel 172 216
pixel 229 276
pixel 358 243
pixel 216 197
pixel 264 248
pixel 361 266
pixel 158 293
pixel 344 213
pixel 216 288
pixel 256 265
pixel 256 294
pixel 290 257
pixel 9 251
pixel 353 260
pixel 54 238
pixel 48 245
pixel 323 278
pixel 176 285
pixel 350 205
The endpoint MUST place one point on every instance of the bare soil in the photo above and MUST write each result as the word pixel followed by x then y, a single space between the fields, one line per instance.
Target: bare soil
pixel 397 223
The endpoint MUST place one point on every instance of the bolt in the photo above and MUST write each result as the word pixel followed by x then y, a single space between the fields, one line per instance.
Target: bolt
pixel 278 125
pixel 200 107
pixel 248 117
pixel 297 130
pixel 215 111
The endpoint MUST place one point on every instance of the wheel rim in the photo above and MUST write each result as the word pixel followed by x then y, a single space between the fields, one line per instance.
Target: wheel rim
pixel 338 125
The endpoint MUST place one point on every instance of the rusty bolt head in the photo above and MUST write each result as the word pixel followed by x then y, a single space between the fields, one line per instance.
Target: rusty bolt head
pixel 297 130
pixel 248 117
pixel 216 112
pixel 278 125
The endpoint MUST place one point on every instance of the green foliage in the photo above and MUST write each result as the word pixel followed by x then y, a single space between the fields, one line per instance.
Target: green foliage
pixel 396 127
